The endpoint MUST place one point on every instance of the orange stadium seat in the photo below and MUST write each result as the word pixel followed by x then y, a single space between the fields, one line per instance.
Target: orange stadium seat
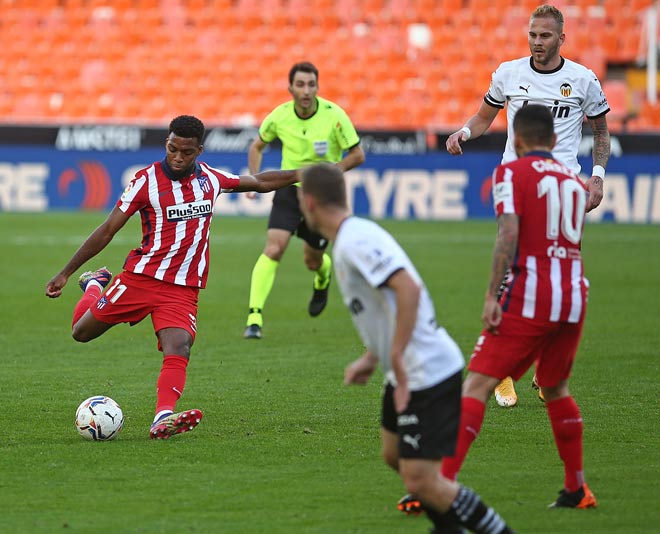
pixel 616 92
pixel 118 61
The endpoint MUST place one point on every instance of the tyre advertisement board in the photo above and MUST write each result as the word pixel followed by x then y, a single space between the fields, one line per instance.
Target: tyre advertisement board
pixel 400 179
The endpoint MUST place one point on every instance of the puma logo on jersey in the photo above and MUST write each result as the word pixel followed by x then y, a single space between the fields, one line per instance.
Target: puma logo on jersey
pixel 189 210
pixel 526 89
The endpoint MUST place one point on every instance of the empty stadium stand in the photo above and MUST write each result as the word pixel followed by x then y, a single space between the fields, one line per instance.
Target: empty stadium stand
pixel 390 63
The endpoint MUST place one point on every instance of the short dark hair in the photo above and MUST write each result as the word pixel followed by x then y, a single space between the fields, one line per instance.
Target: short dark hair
pixel 325 182
pixel 303 66
pixel 187 126
pixel 534 124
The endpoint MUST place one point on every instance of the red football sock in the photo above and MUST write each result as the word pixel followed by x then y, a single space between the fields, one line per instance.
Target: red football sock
pixel 171 381
pixel 567 428
pixel 90 296
pixel 472 416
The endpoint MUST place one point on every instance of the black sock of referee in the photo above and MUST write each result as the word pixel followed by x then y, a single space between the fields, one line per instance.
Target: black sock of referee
pixel 469 511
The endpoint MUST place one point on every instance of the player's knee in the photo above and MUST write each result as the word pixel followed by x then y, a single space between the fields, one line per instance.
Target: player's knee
pixel 479 386
pixel 552 393
pixel 80 335
pixel 183 350
pixel 274 251
pixel 180 349
pixel 413 482
pixel 313 264
pixel 313 259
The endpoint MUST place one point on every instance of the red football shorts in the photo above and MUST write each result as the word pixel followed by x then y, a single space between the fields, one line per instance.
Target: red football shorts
pixel 130 297
pixel 520 342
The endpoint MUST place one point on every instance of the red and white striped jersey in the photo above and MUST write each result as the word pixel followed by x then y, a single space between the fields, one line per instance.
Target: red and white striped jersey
pixel 176 218
pixel 546 282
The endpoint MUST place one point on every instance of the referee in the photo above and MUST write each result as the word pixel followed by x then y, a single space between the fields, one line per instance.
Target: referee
pixel 311 130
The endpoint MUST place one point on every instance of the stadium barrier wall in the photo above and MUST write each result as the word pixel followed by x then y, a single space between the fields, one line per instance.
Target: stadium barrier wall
pixel 399 180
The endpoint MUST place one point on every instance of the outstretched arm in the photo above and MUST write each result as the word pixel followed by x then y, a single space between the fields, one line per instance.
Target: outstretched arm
pixel 264 182
pixel 601 155
pixel 94 244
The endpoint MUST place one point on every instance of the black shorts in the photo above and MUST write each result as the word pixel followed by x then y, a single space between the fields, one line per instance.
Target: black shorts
pixel 428 428
pixel 286 215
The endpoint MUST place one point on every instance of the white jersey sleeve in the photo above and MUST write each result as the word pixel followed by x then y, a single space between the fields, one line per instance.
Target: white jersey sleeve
pixel 496 95
pixel 595 103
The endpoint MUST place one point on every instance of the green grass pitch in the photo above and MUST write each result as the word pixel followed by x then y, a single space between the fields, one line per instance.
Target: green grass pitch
pixel 284 446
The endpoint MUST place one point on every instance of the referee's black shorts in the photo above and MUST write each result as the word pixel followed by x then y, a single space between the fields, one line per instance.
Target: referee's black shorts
pixel 286 215
pixel 428 428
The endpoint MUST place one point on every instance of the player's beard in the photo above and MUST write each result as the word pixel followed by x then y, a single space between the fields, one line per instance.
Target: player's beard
pixel 184 173
pixel 548 55
pixel 179 174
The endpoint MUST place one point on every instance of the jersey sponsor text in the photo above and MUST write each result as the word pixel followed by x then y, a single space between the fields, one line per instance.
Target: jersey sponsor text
pixel 189 210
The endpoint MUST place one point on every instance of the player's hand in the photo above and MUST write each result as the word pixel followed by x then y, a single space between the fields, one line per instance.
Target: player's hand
pixel 492 314
pixel 55 286
pixel 595 188
pixel 360 370
pixel 454 142
pixel 251 195
pixel 401 397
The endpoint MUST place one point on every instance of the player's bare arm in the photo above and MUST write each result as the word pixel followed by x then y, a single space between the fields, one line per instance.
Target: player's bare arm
pixel 503 253
pixel 477 125
pixel 407 293
pixel 94 244
pixel 255 155
pixel 264 182
pixel 601 155
pixel 354 157
pixel 361 369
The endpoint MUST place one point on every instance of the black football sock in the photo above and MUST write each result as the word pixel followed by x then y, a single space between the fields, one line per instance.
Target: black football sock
pixel 470 511
pixel 446 523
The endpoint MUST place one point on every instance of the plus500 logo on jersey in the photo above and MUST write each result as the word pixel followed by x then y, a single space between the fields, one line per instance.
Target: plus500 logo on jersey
pixel 189 210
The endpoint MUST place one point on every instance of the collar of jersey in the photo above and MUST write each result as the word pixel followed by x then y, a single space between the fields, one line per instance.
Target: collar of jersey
pixel 170 174
pixel 307 118
pixel 540 154
pixel 531 64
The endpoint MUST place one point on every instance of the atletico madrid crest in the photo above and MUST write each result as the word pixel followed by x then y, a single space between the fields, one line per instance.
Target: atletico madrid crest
pixel 204 183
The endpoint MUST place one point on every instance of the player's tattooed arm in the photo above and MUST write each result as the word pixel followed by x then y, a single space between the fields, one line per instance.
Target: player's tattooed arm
pixel 601 149
pixel 505 248
pixel 601 154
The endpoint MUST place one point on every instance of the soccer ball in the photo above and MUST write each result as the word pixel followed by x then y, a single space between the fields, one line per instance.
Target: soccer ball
pixel 99 418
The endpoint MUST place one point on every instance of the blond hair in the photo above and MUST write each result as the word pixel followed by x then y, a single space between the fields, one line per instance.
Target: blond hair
pixel 547 10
